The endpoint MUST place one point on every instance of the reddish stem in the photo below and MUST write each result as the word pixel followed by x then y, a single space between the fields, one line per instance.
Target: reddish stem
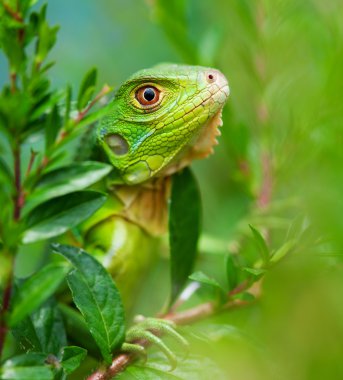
pixel 105 90
pixel 13 79
pixel 32 160
pixel 11 12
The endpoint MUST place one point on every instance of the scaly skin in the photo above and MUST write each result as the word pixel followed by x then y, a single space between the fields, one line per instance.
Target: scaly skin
pixel 146 144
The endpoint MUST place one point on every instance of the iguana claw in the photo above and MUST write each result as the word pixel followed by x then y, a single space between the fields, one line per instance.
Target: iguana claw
pixel 150 330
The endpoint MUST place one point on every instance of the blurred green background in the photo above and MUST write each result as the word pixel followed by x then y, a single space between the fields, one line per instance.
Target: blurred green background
pixel 278 165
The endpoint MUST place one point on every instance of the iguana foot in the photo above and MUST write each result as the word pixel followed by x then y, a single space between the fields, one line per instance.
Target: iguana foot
pixel 147 331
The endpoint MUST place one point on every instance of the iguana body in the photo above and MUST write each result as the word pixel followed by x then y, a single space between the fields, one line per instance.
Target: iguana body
pixel 160 120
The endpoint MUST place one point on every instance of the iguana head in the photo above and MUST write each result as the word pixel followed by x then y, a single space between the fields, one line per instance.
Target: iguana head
pixel 161 119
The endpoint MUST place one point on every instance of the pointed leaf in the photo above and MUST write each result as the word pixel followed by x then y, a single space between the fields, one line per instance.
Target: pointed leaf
pixel 231 272
pixel 203 279
pixel 36 290
pixel 56 216
pixel 283 250
pixel 261 245
pixel 97 298
pixel 43 330
pixel 71 358
pixel 53 125
pixel 87 88
pixel 66 180
pixel 184 228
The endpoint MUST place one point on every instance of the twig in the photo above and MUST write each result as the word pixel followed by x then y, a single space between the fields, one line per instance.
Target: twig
pixel 17 16
pixel 195 314
pixel 32 159
pixel 13 80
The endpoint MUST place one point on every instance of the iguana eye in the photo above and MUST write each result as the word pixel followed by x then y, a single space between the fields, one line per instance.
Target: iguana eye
pixel 148 95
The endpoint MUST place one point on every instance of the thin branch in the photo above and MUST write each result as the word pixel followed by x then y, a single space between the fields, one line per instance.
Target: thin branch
pixel 32 160
pixel 16 15
pixel 13 80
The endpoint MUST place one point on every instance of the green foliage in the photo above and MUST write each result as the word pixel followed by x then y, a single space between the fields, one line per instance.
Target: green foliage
pixel 271 195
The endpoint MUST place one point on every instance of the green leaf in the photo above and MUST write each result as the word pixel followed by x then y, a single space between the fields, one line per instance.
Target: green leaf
pixel 43 330
pixel 35 290
pixel 66 180
pixel 5 172
pixel 203 279
pixel 184 228
pixel 261 245
pixel 56 216
pixel 71 358
pixel 231 271
pixel 97 298
pixel 9 372
pixel 53 125
pixel 25 367
pixel 46 37
pixel 256 272
pixel 283 251
pixel 87 88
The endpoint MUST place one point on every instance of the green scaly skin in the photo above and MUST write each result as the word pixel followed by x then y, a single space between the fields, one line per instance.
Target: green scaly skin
pixel 146 145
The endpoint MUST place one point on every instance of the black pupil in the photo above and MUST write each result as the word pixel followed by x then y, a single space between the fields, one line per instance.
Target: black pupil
pixel 149 94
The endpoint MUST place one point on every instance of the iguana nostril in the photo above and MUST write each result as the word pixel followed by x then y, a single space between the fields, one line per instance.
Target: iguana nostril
pixel 211 77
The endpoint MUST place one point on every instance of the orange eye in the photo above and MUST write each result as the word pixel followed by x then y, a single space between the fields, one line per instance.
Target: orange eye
pixel 148 95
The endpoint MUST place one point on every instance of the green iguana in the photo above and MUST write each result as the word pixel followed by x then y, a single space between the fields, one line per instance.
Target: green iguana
pixel 159 121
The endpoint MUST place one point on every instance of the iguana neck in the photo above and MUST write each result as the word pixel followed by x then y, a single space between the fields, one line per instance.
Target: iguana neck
pixel 146 204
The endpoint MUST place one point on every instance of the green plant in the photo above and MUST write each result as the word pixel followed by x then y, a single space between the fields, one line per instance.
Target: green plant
pixel 289 198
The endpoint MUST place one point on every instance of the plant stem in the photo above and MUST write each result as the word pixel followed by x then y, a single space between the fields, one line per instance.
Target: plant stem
pixel 32 160
pixel 13 80
pixel 12 13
